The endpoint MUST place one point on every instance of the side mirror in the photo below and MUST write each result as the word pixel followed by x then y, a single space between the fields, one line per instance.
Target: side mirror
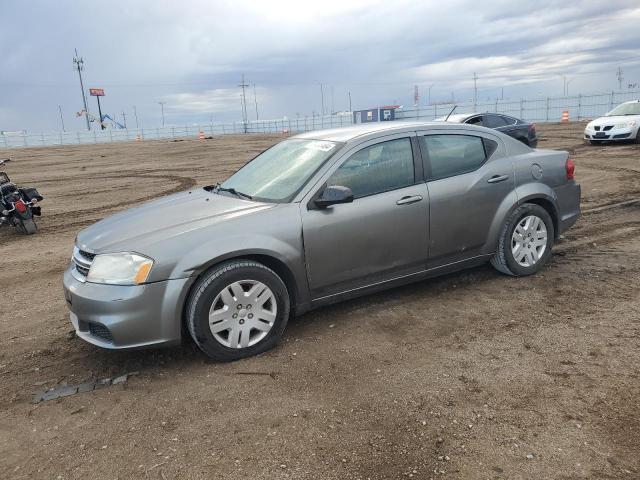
pixel 333 195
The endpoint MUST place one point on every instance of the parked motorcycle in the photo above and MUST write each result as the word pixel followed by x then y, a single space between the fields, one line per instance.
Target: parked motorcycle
pixel 18 204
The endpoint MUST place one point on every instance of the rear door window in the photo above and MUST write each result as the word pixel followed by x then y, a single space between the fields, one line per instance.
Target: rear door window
pixel 451 154
pixel 495 121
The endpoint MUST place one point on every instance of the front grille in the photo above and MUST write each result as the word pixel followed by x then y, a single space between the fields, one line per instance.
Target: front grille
pixel 100 331
pixel 82 262
pixel 622 135
pixel 596 128
pixel 83 270
pixel 607 128
pixel 87 255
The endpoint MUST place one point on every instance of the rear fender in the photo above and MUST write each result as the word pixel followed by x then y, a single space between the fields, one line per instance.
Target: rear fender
pixel 538 193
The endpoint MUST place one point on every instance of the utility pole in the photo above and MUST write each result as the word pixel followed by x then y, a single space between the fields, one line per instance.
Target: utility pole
pixel 124 119
pixel 332 109
pixel 350 102
pixel 162 110
pixel 475 90
pixel 322 95
pixel 255 99
pixel 620 78
pixel 135 114
pixel 61 119
pixel 430 87
pixel 78 63
pixel 416 96
pixel 244 85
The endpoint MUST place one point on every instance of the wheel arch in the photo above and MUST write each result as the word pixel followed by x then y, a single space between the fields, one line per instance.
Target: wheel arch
pixel 551 209
pixel 266 258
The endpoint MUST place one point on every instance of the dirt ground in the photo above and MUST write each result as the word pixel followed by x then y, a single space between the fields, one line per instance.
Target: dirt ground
pixel 472 375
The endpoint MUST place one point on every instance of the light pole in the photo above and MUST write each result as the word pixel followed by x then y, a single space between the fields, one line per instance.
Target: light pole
pixel 61 118
pixel 430 87
pixel 135 114
pixel 78 63
pixel 162 111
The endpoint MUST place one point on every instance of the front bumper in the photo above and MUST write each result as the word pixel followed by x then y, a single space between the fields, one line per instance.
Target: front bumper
pixel 117 317
pixel 611 135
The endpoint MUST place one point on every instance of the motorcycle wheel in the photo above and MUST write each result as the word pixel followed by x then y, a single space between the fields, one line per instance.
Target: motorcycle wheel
pixel 27 227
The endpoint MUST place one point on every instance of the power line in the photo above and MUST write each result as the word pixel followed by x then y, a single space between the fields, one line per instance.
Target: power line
pixel 78 63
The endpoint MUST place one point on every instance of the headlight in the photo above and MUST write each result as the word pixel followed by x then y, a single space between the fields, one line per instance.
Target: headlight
pixel 120 269
pixel 589 125
pixel 632 123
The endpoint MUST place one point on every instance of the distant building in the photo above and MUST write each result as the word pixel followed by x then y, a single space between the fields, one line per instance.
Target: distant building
pixel 377 114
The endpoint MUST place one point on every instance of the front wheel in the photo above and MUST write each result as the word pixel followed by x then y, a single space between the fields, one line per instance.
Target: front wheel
pixel 525 242
pixel 237 309
pixel 27 227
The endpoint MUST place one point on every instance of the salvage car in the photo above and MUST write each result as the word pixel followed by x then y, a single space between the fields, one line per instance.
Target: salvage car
pixel 523 131
pixel 315 219
pixel 620 124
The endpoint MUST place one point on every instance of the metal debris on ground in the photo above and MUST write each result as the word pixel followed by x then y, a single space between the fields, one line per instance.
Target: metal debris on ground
pixel 67 390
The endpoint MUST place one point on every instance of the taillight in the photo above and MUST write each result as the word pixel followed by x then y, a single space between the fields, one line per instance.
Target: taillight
pixel 570 167
pixel 20 206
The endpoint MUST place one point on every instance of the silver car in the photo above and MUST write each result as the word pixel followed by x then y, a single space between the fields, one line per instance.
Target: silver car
pixel 315 219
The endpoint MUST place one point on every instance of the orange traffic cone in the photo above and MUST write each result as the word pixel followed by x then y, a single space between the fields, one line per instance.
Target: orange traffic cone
pixel 201 135
pixel 565 116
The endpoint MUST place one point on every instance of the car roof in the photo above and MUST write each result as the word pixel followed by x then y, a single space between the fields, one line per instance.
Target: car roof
pixel 345 134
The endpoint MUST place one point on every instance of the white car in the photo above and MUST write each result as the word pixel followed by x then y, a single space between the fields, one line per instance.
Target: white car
pixel 621 123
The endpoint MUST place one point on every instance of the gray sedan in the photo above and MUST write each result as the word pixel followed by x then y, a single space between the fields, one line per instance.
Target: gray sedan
pixel 315 219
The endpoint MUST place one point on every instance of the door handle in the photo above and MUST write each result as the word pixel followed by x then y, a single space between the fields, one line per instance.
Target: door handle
pixel 408 200
pixel 498 178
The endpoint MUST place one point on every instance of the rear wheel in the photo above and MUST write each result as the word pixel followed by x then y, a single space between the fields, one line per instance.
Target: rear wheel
pixel 237 309
pixel 27 227
pixel 525 242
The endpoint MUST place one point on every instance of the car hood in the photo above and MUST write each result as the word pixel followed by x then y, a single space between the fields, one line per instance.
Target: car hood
pixel 163 218
pixel 603 121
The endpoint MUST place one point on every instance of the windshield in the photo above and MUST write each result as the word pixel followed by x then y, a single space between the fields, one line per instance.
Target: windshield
pixel 279 173
pixel 625 109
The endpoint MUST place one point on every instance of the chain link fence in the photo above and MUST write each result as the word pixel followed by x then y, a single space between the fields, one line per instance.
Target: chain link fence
pixel 543 109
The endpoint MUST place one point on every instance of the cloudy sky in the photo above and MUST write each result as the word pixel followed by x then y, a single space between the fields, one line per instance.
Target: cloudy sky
pixel 191 54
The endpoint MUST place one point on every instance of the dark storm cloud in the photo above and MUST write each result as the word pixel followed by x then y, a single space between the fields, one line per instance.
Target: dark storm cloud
pixel 191 54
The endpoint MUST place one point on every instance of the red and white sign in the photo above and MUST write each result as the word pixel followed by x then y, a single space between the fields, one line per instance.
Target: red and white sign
pixel 96 92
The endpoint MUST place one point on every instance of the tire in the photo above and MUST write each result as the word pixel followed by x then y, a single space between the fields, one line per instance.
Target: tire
pixel 213 295
pixel 638 136
pixel 535 256
pixel 27 227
